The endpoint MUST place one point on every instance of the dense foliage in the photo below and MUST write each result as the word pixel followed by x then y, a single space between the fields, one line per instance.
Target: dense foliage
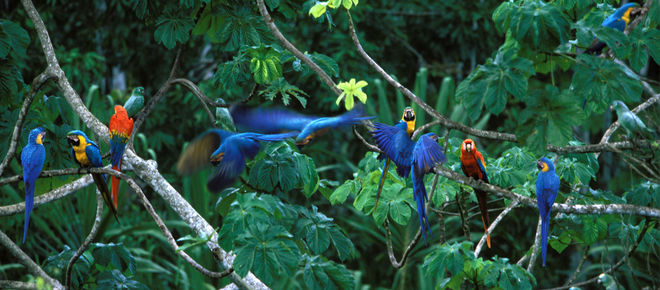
pixel 301 217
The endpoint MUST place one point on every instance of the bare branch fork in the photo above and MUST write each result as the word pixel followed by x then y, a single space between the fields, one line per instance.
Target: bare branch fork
pixel 25 260
pixel 492 226
pixel 88 240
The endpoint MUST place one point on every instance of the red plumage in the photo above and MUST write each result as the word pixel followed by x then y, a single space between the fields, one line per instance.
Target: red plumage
pixel 470 164
pixel 120 127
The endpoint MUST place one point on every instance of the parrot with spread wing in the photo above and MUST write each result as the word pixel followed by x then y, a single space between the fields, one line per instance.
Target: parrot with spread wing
pixel 618 20
pixel 547 187
pixel 32 160
pixel 473 165
pixel 120 128
pixel 421 156
pixel 629 121
pixel 225 150
pixel 277 120
pixel 86 153
pixel 407 125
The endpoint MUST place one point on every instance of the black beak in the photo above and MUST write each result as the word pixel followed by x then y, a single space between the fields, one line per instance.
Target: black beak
pixel 408 114
pixel 539 164
pixel 73 140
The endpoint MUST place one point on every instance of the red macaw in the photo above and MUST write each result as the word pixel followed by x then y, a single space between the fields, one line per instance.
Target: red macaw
pixel 120 128
pixel 32 160
pixel 547 187
pixel 473 165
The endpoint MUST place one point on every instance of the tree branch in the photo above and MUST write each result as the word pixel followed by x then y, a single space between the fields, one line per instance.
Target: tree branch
pixel 37 83
pixel 55 194
pixel 203 99
pixel 600 147
pixel 535 247
pixel 25 260
pixel 492 226
pixel 88 240
pixel 290 47
pixel 7 284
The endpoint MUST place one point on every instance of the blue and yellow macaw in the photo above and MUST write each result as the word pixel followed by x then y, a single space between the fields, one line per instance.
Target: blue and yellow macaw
pixel 547 187
pixel 86 153
pixel 421 156
pixel 32 160
pixel 277 120
pixel 225 150
pixel 407 125
pixel 618 20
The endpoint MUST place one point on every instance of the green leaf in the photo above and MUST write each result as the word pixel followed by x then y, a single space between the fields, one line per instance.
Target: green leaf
pixel 500 273
pixel 115 279
pixel 285 90
pixel 318 9
pixel 341 193
pixel 13 36
pixel 232 73
pixel 320 273
pixel 114 256
pixel 537 23
pixel 561 243
pixel 451 257
pixel 265 64
pixel 173 28
pixel 266 250
pixel 344 246
pixel 326 63
pixel 56 266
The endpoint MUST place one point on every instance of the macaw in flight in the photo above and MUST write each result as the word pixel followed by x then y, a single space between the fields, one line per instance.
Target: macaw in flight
pixel 618 20
pixel 420 156
pixel 86 153
pixel 278 120
pixel 547 187
pixel 120 128
pixel 473 165
pixel 407 124
pixel 629 121
pixel 32 160
pixel 225 150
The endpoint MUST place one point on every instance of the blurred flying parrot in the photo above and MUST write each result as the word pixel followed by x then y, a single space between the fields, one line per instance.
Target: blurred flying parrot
pixel 618 20
pixel 278 120
pixel 547 187
pixel 32 160
pixel 135 102
pixel 629 121
pixel 225 150
pixel 86 153
pixel 421 156
pixel 120 128
pixel 407 125
pixel 473 165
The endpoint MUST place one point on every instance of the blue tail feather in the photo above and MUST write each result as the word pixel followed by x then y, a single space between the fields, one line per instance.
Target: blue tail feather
pixel 545 230
pixel 29 204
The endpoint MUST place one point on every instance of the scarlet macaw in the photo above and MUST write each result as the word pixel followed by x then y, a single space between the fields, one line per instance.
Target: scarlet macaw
pixel 32 160
pixel 629 121
pixel 225 150
pixel 547 187
pixel 473 165
pixel 120 128
pixel 86 153
pixel 618 20
pixel 407 124
pixel 277 120
pixel 396 144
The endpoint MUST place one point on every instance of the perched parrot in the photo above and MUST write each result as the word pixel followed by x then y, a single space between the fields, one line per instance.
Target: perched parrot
pixel 277 120
pixel 473 165
pixel 396 144
pixel 86 153
pixel 32 160
pixel 120 128
pixel 407 124
pixel 225 150
pixel 135 103
pixel 547 187
pixel 618 20
pixel 629 121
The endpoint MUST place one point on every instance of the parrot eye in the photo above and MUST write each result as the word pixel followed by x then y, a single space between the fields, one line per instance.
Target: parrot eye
pixel 73 140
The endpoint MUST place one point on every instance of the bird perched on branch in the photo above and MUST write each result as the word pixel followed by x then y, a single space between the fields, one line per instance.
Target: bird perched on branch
pixel 547 187
pixel 420 156
pixel 631 123
pixel 225 150
pixel 86 153
pixel 473 165
pixel 32 160
pixel 277 120
pixel 405 125
pixel 617 20
pixel 120 128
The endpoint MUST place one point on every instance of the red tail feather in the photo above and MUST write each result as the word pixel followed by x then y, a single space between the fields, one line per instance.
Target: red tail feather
pixel 483 206
pixel 115 187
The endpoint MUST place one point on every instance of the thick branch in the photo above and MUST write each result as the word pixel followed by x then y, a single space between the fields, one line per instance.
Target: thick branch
pixel 25 260
pixel 492 226
pixel 600 147
pixel 88 240
pixel 557 207
pixel 273 28
pixel 7 284
pixel 535 247
pixel 54 194
pixel 37 83
pixel 443 120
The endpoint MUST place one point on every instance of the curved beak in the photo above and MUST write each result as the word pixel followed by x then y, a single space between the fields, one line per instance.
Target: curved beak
pixel 539 164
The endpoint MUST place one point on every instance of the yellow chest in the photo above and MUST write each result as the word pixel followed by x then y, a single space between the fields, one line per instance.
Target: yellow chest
pixel 81 155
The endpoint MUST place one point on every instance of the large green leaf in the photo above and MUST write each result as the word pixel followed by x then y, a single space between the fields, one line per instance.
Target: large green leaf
pixel 56 265
pixel 116 280
pixel 172 28
pixel 265 64
pixel 500 273
pixel 537 23
pixel 12 37
pixel 320 273
pixel 233 72
pixel 451 257
pixel 286 90
pixel 319 230
pixel 114 256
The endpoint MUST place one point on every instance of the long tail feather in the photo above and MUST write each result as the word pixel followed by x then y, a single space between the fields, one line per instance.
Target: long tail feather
pixel 115 188
pixel 380 183
pixel 545 229
pixel 483 206
pixel 29 203
pixel 103 187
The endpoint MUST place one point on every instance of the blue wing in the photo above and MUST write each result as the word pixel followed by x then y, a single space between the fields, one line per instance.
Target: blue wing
pixel 268 120
pixel 318 125
pixel 396 145
pixel 270 137
pixel 94 155
pixel 614 22
pixel 483 170
pixel 427 153
pixel 197 153
pixel 32 160
pixel 232 164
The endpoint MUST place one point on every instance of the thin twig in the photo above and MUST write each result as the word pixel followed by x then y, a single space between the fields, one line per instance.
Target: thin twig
pixel 26 261
pixel 88 240
pixel 203 99
pixel 37 83
pixel 600 147
pixel 461 210
pixel 492 226
pixel 535 247
pixel 369 146
pixel 290 47
pixel 579 267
